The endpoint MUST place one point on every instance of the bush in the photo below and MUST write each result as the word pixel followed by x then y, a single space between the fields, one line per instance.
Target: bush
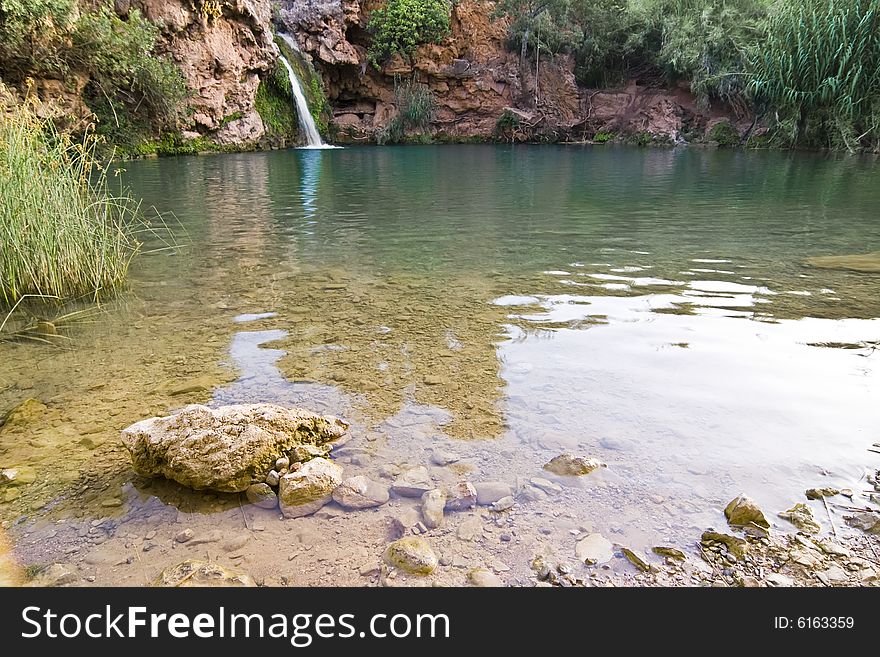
pixel 118 56
pixel 403 25
pixel 416 107
pixel 64 234
pixel 724 134
pixel 274 104
pixel 818 68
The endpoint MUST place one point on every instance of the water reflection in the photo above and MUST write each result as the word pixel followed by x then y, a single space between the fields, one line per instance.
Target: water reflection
pixel 310 176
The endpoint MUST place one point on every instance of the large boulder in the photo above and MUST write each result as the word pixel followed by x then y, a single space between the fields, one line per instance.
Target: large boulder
pixel 303 492
pixel 224 449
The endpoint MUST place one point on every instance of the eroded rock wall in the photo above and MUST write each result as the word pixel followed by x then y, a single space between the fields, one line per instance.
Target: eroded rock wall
pixel 475 79
pixel 223 50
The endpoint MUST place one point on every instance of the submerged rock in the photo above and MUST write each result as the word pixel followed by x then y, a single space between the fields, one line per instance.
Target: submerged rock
pixel 636 560
pixel 261 495
pixel 415 482
pixel 567 465
pixel 483 578
pixel 303 492
pixel 224 449
pixel 737 547
pixel 867 521
pixel 743 511
pixel 413 555
pixel 594 549
pixel 194 573
pixel 819 493
pixel 461 496
pixel 868 263
pixel 801 516
pixel 669 553
pixel 360 493
pixel 23 415
pixel 489 492
pixel 433 503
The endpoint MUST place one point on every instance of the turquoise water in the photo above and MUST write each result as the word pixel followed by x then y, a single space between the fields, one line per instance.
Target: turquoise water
pixel 652 308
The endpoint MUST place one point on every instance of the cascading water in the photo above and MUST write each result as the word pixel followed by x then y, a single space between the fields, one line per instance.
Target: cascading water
pixel 306 122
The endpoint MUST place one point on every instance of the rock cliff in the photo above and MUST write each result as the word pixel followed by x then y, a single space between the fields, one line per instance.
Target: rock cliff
pixel 223 49
pixel 481 89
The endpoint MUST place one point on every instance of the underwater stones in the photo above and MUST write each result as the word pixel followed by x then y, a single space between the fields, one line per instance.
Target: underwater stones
pixel 23 415
pixel 594 549
pixel 545 485
pixel 360 493
pixel 489 492
pixel 669 553
pixel 868 263
pixel 737 547
pixel 801 516
pixel 224 449
pixel 282 463
pixel 819 493
pixel 303 492
pixel 433 503
pixel 273 478
pixel 261 495
pixel 184 536
pixel 743 511
pixel 461 496
pixel 414 482
pixel 483 578
pixel 566 465
pixel 411 554
pixel 194 573
pixel 8 476
pixel 504 504
pixel 636 560
pixel 867 521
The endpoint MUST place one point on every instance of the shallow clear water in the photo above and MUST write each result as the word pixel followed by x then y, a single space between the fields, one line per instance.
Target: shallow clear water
pixel 648 307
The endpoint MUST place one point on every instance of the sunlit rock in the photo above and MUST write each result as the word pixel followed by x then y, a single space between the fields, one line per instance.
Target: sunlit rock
pixel 224 449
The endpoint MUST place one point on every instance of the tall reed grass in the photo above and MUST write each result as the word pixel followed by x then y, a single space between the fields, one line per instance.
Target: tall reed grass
pixel 63 234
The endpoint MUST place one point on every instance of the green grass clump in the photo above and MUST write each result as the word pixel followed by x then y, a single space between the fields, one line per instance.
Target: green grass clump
pixel 274 104
pixel 63 234
pixel 724 134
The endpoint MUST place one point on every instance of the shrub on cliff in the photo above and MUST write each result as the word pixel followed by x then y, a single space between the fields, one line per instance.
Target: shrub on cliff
pixel 52 38
pixel 401 26
pixel 63 234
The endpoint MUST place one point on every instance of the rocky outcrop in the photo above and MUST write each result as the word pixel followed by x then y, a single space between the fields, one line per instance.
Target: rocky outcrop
pixel 223 50
pixel 481 89
pixel 225 449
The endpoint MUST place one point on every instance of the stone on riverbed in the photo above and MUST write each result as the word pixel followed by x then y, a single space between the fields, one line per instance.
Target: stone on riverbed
pixel 433 503
pixel 224 449
pixel 261 495
pixel 743 511
pixel 567 465
pixel 461 496
pixel 819 493
pixel 360 493
pixel 193 573
pixel 594 549
pixel 413 555
pixel 489 492
pixel 303 492
pixel 415 482
pixel 801 516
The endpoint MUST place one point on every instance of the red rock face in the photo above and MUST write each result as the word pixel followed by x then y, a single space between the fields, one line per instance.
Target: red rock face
pixel 475 79
pixel 222 58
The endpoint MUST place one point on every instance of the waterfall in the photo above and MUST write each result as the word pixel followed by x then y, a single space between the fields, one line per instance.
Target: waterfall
pixel 306 122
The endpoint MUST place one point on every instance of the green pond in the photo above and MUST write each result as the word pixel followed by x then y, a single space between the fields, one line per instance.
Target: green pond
pixel 651 308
